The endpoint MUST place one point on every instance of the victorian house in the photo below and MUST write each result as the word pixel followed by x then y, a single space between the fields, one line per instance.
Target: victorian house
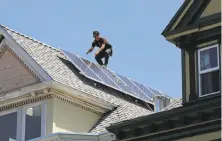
pixel 45 97
pixel 196 31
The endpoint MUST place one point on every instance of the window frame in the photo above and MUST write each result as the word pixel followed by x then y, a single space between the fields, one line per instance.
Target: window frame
pixel 21 118
pixel 208 70
pixel 18 111
pixel 43 118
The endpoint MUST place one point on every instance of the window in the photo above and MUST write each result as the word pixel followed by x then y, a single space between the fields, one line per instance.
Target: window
pixel 24 123
pixel 8 127
pixel 33 119
pixel 209 70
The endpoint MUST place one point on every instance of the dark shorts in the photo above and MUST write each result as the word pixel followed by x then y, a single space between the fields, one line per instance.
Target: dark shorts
pixel 103 53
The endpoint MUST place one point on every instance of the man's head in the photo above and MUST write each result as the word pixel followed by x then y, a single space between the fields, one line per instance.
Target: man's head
pixel 96 35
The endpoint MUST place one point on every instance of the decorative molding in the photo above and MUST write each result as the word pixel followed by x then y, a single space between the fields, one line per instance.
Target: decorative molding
pixel 43 91
pixel 61 89
pixel 37 98
pixel 193 114
pixel 77 105
pixel 3 48
pixel 207 44
pixel 181 133
pixel 21 103
pixel 195 28
pixel 182 15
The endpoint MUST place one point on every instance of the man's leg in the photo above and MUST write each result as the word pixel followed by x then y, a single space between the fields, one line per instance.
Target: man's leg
pixel 99 58
pixel 107 54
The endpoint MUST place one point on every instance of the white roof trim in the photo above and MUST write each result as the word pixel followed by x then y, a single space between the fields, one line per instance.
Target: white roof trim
pixel 77 136
pixel 32 64
pixel 30 90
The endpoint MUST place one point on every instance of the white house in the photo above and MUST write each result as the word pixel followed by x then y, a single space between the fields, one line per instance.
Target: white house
pixel 44 97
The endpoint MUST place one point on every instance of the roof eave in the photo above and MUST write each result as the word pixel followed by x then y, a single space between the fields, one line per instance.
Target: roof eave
pixel 187 108
pixel 172 21
pixel 30 91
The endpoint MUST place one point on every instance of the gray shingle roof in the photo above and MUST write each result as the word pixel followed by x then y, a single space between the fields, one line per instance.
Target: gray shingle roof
pixel 174 104
pixel 56 65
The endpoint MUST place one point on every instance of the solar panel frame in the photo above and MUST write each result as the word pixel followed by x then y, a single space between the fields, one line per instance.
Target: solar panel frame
pixel 139 91
pixel 78 66
pixel 144 89
pixel 158 93
pixel 119 89
pixel 131 94
pixel 121 84
pixel 100 73
pixel 99 80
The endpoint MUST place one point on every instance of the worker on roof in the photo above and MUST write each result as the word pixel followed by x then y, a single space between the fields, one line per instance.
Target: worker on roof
pixel 105 49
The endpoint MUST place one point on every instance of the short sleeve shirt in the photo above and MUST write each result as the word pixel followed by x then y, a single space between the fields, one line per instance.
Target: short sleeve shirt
pixel 100 42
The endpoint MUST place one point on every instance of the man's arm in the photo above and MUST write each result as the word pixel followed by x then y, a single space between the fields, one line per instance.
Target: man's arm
pixel 102 48
pixel 92 47
pixel 90 50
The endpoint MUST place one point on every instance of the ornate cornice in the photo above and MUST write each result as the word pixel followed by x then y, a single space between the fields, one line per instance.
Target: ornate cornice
pixel 24 102
pixel 77 105
pixel 43 95
pixel 193 114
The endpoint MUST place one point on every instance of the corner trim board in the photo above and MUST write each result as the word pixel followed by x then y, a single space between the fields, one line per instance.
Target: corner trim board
pixel 183 76
pixel 182 14
pixel 189 30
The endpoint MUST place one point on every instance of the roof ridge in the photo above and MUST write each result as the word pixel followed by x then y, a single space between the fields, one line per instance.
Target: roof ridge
pixel 30 38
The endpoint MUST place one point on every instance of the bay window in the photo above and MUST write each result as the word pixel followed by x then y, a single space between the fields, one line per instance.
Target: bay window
pixel 209 70
pixel 24 123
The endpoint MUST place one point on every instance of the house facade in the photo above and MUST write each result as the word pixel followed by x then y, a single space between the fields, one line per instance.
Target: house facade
pixel 44 97
pixel 196 31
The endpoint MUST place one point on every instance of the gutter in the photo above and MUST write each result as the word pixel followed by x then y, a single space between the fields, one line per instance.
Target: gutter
pixel 197 106
pixel 104 136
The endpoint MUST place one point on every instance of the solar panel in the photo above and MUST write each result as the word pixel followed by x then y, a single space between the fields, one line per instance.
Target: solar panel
pixel 148 92
pixel 107 77
pixel 100 73
pixel 156 91
pixel 133 87
pixel 81 65
pixel 122 85
pixel 110 79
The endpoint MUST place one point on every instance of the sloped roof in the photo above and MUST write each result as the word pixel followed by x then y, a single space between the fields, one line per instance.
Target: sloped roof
pixel 188 19
pixel 60 70
pixel 174 104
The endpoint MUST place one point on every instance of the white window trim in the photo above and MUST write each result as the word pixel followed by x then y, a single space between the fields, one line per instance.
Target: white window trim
pixel 208 70
pixel 20 134
pixel 18 111
pixel 43 118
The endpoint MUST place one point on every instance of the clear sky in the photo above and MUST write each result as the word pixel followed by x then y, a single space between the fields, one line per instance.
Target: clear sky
pixel 133 27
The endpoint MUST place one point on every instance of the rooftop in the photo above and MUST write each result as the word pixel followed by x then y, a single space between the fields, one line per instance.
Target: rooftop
pixel 60 69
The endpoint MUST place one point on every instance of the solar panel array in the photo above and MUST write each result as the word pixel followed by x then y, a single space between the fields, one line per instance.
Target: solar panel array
pixel 116 81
